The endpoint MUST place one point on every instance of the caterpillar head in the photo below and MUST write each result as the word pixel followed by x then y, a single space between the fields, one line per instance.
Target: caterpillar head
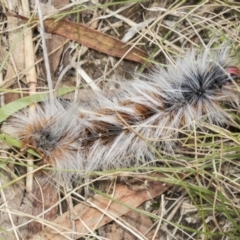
pixel 41 136
pixel 44 140
pixel 51 130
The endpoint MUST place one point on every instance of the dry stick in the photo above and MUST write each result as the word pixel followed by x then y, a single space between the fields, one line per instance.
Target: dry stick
pixel 45 53
pixel 31 77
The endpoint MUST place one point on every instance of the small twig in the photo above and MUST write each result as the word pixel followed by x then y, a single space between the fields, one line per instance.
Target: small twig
pixel 45 53
pixel 31 77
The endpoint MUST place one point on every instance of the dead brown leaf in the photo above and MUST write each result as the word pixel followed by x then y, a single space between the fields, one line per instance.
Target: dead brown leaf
pixel 100 211
pixel 91 38
pixel 94 39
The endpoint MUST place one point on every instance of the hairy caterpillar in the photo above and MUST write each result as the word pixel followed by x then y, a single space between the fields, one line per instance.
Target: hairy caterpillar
pixel 103 132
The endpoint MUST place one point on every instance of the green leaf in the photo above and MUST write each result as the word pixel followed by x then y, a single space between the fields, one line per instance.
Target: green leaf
pixel 10 108
pixel 16 143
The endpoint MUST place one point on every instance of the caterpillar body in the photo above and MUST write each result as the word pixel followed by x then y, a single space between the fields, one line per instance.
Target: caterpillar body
pixel 102 131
